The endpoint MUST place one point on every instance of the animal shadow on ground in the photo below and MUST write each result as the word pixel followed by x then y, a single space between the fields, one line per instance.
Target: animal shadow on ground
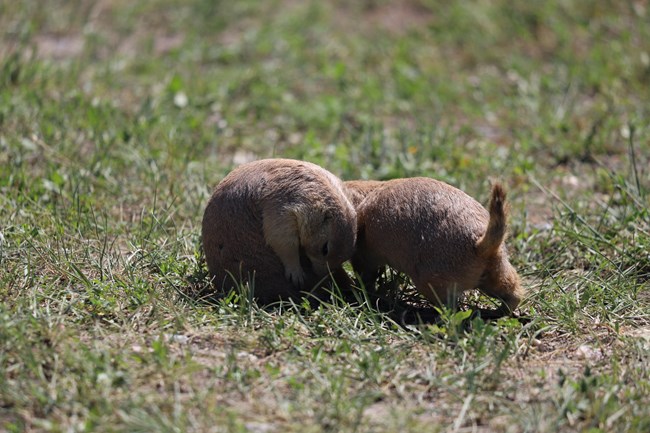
pixel 401 302
pixel 394 297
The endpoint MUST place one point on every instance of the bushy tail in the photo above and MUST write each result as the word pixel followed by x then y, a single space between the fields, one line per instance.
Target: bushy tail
pixel 496 230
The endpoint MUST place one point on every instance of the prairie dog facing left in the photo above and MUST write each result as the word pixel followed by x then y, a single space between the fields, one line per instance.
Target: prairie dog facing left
pixel 280 223
pixel 442 238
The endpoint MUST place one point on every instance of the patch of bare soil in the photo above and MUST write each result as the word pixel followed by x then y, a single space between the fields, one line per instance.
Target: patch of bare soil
pixel 59 47
pixel 69 43
pixel 394 17
pixel 397 17
pixel 642 334
pixel 569 184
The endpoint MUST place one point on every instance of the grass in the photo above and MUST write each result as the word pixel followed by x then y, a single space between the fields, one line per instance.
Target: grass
pixel 117 119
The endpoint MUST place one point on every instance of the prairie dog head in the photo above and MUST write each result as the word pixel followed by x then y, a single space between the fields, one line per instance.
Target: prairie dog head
pixel 327 235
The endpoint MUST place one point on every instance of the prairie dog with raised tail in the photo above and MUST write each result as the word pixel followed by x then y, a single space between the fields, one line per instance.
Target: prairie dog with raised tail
pixel 442 238
pixel 279 224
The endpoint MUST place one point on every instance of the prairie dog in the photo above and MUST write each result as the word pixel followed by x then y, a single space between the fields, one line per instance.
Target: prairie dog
pixel 442 238
pixel 357 190
pixel 278 223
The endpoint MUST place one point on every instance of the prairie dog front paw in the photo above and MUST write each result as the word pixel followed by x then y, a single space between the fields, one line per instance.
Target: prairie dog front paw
pixel 296 275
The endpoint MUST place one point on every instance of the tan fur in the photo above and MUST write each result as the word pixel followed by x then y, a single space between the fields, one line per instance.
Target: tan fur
pixel 357 190
pixel 279 224
pixel 443 239
pixel 495 234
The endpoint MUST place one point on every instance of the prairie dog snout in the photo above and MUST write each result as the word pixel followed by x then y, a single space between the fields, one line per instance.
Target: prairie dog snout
pixel 282 224
pixel 442 238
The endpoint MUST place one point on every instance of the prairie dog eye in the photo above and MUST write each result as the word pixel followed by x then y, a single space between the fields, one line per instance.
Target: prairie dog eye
pixel 325 250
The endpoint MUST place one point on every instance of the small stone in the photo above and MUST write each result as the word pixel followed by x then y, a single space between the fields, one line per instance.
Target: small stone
pixel 180 99
pixel 585 351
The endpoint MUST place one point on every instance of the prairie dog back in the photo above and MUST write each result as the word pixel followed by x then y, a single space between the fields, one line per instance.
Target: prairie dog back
pixel 282 224
pixel 358 190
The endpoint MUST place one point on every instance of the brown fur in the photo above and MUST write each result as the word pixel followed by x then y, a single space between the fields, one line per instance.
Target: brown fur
pixel 357 190
pixel 443 239
pixel 279 225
